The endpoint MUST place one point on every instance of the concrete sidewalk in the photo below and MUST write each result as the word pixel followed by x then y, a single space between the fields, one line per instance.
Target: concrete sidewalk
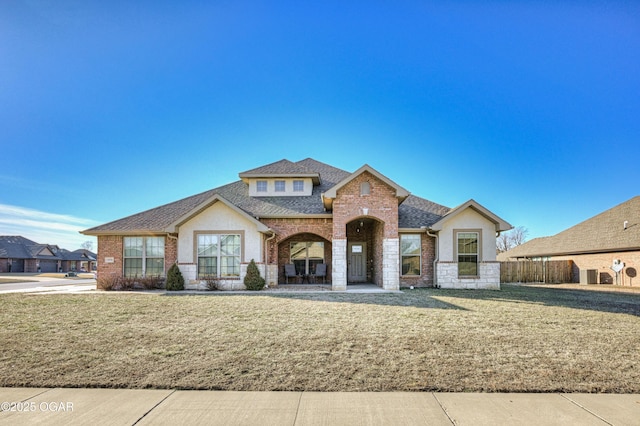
pixel 149 407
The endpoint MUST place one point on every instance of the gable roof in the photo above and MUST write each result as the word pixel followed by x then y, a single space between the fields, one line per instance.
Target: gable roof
pixel 602 233
pixel 18 247
pixel 501 224
pixel 173 227
pixel 86 254
pixel 413 213
pixel 42 251
pixel 330 195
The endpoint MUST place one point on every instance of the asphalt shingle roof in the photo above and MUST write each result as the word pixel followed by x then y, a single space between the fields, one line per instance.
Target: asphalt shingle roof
pixel 413 212
pixel 280 168
pixel 604 232
pixel 15 247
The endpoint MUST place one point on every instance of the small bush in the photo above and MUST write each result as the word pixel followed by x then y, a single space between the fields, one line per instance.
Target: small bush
pixel 212 282
pixel 151 282
pixel 108 283
pixel 175 280
pixel 253 280
pixel 127 283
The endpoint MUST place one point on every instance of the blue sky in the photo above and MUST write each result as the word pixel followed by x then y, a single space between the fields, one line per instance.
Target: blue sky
pixel 109 108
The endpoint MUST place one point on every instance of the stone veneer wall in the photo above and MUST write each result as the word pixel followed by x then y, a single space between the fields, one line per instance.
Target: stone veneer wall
pixel 189 272
pixel 391 263
pixel 488 279
pixel 339 276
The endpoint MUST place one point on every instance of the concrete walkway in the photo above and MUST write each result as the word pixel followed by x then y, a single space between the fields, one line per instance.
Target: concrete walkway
pixel 22 406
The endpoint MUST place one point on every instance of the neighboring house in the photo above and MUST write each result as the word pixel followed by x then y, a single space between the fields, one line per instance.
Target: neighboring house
pixel 598 246
pixel 363 226
pixel 86 260
pixel 19 254
pixel 80 260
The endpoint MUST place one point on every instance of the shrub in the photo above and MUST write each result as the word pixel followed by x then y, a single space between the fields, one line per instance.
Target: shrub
pixel 175 280
pixel 108 283
pixel 151 282
pixel 253 280
pixel 212 282
pixel 126 283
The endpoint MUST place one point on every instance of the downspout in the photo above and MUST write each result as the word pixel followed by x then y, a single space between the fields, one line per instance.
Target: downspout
pixel 435 261
pixel 266 256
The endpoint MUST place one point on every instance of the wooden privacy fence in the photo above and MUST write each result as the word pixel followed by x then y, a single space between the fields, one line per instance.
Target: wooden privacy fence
pixel 536 271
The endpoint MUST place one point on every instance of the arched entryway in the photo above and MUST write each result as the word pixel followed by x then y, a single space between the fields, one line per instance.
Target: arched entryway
pixel 364 250
pixel 305 251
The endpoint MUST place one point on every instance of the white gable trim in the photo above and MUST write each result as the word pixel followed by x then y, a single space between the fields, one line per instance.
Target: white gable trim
pixel 501 224
pixel 173 227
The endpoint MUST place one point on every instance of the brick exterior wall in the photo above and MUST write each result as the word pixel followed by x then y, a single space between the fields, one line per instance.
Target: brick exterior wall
pixel 381 203
pixel 110 246
pixel 170 253
pixel 284 253
pixel 113 246
pixel 296 230
pixel 30 265
pixel 426 268
pixel 602 263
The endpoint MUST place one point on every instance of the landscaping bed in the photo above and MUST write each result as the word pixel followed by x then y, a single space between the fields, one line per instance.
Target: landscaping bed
pixel 519 339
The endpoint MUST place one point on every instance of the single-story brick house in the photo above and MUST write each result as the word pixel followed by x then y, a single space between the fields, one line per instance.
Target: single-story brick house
pixel 595 246
pixel 19 254
pixel 362 226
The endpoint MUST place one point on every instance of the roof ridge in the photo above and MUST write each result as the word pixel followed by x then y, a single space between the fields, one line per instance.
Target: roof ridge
pixel 280 167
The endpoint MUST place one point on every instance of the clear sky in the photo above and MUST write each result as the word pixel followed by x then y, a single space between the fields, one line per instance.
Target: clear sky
pixel 108 108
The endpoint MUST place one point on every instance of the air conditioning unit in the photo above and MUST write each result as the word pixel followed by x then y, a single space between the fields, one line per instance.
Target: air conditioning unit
pixel 588 276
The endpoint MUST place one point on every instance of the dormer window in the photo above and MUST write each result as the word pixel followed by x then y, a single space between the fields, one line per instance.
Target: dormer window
pixel 280 187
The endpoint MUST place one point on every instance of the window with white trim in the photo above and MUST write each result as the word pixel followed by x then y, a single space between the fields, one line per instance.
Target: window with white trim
pixel 219 255
pixel 298 186
pixel 143 256
pixel 468 253
pixel 410 253
pixel 279 186
pixel 261 186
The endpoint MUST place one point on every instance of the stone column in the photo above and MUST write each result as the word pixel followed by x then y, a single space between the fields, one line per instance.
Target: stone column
pixel 339 265
pixel 391 264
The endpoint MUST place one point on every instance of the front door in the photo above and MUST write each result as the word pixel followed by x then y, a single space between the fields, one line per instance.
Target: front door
pixel 357 266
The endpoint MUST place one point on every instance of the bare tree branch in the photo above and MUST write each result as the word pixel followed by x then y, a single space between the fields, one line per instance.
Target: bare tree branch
pixel 510 239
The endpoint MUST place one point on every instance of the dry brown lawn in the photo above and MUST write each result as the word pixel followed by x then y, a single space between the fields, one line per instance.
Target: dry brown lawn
pixel 519 339
pixel 8 280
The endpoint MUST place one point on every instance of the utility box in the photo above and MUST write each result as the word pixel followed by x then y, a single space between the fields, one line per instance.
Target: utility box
pixel 588 276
